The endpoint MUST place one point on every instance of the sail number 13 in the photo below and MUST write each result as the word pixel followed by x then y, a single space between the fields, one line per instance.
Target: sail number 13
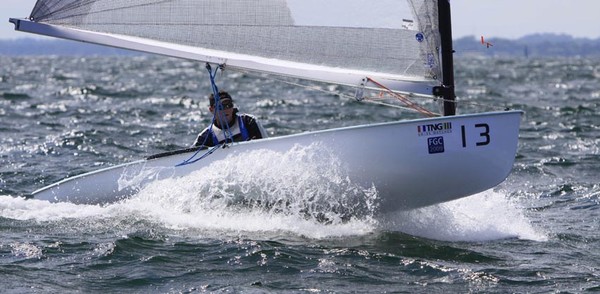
pixel 483 138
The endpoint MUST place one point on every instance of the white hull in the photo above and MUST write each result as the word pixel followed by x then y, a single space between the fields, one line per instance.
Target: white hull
pixel 411 163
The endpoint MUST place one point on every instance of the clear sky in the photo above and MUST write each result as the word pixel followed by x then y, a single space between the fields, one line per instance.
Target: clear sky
pixel 490 18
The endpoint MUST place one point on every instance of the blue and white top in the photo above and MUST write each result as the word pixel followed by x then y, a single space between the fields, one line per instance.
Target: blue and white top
pixel 245 127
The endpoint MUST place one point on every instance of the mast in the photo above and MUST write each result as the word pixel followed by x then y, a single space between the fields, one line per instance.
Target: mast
pixel 447 89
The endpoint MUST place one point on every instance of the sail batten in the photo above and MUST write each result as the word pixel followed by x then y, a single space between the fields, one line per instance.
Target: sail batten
pixel 394 40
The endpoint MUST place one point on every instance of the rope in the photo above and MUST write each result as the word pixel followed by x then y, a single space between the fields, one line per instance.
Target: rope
pixel 405 100
pixel 372 100
pixel 206 154
pixel 218 108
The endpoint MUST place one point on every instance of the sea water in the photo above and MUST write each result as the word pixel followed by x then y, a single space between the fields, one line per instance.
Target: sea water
pixel 292 221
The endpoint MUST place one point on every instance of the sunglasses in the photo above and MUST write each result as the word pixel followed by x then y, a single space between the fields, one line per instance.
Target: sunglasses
pixel 227 105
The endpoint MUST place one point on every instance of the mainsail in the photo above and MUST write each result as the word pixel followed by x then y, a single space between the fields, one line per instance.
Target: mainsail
pixel 338 41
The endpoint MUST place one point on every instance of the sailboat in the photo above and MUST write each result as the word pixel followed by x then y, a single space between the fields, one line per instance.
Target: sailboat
pixel 400 47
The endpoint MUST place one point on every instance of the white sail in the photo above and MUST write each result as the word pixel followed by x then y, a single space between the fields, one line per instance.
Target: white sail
pixel 338 41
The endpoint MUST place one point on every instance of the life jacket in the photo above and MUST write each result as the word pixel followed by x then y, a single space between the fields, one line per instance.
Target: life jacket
pixel 243 132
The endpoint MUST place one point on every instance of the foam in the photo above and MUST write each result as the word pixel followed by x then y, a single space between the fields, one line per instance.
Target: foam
pixel 303 192
pixel 21 209
pixel 485 216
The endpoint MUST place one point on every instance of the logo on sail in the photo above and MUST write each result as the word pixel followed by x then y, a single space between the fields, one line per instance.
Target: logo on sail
pixel 434 129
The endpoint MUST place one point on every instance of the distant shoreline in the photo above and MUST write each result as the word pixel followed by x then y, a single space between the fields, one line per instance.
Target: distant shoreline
pixel 538 45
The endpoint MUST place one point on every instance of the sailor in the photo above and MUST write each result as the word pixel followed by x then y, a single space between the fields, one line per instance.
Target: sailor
pixel 228 125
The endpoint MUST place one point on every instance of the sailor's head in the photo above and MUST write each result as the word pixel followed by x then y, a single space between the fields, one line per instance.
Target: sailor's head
pixel 223 108
pixel 225 101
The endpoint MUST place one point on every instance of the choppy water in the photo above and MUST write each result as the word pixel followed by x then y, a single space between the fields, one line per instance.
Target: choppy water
pixel 536 232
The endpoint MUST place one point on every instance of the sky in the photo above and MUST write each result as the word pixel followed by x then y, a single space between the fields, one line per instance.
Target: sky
pixel 490 18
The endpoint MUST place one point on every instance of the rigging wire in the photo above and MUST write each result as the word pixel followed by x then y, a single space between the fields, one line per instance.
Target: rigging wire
pixel 404 99
pixel 371 99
